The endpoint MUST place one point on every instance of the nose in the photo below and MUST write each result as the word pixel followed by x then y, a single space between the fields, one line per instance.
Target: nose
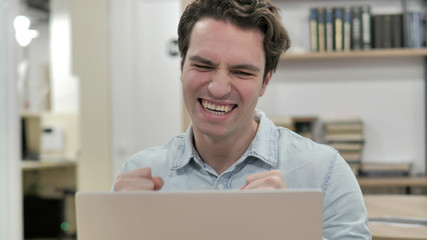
pixel 220 85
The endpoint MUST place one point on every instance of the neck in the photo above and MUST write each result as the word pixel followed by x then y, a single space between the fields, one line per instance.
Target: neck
pixel 220 154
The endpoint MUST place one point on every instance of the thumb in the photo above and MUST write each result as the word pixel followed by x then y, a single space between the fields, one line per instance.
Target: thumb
pixel 158 182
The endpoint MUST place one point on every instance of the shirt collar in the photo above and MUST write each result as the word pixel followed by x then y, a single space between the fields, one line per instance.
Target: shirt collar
pixel 263 147
pixel 186 151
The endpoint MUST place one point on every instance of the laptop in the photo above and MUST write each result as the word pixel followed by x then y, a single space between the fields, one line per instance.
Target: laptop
pixel 206 215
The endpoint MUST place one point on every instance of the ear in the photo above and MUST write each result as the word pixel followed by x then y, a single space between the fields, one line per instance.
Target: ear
pixel 266 82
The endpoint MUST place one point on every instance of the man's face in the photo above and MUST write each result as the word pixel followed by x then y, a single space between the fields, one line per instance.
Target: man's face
pixel 222 78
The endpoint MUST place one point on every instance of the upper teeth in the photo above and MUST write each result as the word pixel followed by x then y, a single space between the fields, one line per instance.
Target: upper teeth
pixel 215 107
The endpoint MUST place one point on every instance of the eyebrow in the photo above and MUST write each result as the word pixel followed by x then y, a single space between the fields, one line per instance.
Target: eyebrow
pixel 249 67
pixel 200 59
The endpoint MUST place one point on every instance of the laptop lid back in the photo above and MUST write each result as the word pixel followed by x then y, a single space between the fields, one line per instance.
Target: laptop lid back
pixel 200 215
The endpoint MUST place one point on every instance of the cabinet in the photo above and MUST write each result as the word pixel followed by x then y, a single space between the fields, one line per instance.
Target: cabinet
pixel 48 190
pixel 49 174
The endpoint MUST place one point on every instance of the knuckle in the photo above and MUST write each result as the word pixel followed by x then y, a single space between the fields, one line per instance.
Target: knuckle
pixel 270 181
pixel 119 184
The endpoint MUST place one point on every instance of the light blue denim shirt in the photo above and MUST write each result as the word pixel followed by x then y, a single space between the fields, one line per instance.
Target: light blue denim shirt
pixel 303 163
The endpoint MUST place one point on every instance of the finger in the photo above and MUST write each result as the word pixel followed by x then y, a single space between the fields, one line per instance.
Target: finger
pixel 133 184
pixel 158 183
pixel 266 183
pixel 258 184
pixel 265 180
pixel 261 175
pixel 137 173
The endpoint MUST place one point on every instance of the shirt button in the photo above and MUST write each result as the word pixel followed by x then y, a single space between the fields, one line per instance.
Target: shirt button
pixel 221 186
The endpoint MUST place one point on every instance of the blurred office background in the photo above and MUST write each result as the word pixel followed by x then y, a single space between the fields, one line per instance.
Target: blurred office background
pixel 84 84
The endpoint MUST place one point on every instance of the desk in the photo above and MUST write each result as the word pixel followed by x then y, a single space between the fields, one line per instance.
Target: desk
pixel 55 179
pixel 32 165
pixel 406 182
pixel 414 206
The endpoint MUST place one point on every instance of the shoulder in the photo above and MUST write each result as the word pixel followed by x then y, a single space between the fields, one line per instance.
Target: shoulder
pixel 298 145
pixel 158 158
pixel 305 162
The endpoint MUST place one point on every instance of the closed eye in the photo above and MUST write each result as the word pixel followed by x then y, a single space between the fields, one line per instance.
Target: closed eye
pixel 203 67
pixel 243 73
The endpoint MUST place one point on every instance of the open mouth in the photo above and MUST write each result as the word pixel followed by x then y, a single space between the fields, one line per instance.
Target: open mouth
pixel 218 109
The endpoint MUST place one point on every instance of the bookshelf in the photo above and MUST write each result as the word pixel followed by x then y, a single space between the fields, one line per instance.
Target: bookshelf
pixel 295 15
pixel 393 182
pixel 373 53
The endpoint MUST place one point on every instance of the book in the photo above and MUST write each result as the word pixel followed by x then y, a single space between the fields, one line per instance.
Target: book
pixel 413 30
pixel 347 29
pixel 366 26
pixel 338 26
pixel 386 31
pixel 397 30
pixel 347 146
pixel 424 24
pixel 356 28
pixel 344 127
pixel 405 28
pixel 329 38
pixel 313 30
pixel 417 29
pixel 351 156
pixel 343 28
pixel 377 31
pixel 344 137
pixel 344 122
pixel 321 29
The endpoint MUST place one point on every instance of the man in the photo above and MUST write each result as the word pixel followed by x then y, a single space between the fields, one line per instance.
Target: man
pixel 229 52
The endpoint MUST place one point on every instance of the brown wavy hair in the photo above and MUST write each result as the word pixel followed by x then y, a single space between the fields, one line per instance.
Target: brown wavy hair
pixel 246 14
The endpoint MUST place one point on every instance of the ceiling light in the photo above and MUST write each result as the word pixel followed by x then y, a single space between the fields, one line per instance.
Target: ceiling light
pixel 23 33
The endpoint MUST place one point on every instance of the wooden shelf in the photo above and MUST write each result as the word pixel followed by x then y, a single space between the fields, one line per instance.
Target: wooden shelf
pixel 393 182
pixel 30 165
pixel 374 53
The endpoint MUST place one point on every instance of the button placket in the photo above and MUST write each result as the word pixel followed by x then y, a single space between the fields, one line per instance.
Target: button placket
pixel 221 182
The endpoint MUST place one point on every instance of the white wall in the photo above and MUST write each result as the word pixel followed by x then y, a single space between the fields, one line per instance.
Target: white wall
pixel 39 64
pixel 388 93
pixel 34 62
pixel 90 62
pixel 146 89
pixel 10 169
pixel 64 86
